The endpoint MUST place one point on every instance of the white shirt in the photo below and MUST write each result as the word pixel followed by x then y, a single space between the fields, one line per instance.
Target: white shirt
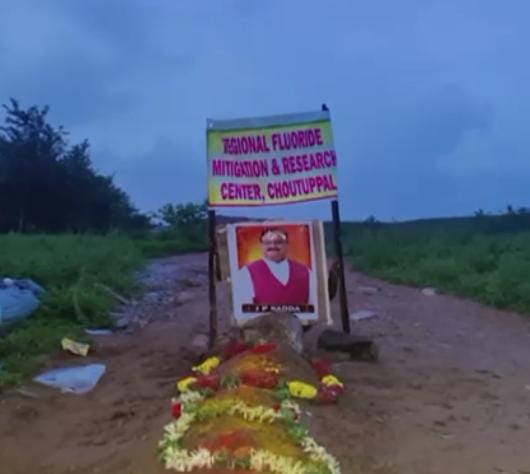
pixel 280 270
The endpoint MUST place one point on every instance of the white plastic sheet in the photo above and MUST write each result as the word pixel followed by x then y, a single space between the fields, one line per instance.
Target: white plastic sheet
pixel 75 379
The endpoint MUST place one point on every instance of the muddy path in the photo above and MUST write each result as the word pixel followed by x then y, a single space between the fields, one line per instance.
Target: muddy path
pixel 451 392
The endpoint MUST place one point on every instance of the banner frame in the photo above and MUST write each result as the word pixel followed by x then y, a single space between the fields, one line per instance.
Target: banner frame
pixel 213 256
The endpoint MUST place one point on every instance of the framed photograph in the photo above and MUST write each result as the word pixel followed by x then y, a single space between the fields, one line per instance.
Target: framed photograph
pixel 278 266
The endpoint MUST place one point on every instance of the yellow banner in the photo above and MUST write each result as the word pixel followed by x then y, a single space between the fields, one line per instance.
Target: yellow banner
pixel 271 160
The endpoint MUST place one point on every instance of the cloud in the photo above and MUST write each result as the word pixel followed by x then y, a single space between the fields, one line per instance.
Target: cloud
pixel 428 98
pixel 166 173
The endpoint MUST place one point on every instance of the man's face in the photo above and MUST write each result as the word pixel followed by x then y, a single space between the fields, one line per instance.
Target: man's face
pixel 274 246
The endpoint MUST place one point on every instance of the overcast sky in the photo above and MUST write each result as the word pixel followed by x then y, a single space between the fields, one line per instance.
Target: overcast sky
pixel 429 99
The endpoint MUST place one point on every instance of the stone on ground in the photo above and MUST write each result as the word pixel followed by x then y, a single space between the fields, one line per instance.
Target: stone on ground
pixel 122 322
pixel 359 348
pixel 280 327
pixel 199 344
pixel 184 297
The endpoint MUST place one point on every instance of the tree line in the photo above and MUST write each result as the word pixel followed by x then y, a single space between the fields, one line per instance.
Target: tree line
pixel 49 185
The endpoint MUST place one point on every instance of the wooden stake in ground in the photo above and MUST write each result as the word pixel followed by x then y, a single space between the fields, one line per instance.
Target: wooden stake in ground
pixel 212 296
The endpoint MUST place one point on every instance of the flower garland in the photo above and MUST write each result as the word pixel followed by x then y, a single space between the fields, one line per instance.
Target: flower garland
pixel 195 404
pixel 207 366
pixel 329 391
pixel 319 454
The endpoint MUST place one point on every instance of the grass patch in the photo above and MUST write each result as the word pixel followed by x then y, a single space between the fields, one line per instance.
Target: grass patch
pixel 491 268
pixel 71 269
pixel 25 348
pixel 172 241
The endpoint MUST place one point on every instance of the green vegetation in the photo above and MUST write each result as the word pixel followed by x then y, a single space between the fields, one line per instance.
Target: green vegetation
pixel 48 185
pixel 76 271
pixel 170 242
pixel 486 258
pixel 72 269
pixel 185 231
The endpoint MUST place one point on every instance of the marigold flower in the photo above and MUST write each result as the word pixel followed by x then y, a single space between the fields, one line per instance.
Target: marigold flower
pixel 302 390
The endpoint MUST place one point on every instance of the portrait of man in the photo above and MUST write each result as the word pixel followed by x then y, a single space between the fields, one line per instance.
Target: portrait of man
pixel 274 278
pixel 277 266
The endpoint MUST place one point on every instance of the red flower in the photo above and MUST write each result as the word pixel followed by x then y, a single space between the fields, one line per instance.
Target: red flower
pixel 176 410
pixel 234 348
pixel 322 367
pixel 330 394
pixel 210 381
pixel 231 441
pixel 264 348
pixel 338 388
pixel 259 378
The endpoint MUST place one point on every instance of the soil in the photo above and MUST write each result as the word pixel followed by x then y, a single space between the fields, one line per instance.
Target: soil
pixel 450 393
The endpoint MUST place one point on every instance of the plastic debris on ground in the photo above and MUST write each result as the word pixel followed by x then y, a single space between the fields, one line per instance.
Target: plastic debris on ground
pixel 18 299
pixel 26 393
pixel 75 379
pixel 362 314
pixel 74 347
pixel 429 291
pixel 98 332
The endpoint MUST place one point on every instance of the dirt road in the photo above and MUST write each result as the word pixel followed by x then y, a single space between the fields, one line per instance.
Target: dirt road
pixel 451 393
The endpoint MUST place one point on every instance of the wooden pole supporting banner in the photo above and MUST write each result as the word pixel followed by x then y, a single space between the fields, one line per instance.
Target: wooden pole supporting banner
pixel 212 252
pixel 343 297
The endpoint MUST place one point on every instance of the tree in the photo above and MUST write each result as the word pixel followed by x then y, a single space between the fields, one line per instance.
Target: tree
pixel 188 220
pixel 30 150
pixel 47 186
pixel 371 220
pixel 183 215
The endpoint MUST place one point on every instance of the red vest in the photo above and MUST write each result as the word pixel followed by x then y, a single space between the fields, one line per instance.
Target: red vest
pixel 268 290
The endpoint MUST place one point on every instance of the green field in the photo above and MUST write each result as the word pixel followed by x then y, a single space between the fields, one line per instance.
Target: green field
pixel 484 258
pixel 74 269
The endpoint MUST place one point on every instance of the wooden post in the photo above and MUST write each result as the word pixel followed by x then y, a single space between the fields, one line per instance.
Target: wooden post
pixel 343 297
pixel 212 251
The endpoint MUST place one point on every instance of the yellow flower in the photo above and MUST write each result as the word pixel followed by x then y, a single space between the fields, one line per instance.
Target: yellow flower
pixel 330 380
pixel 184 384
pixel 207 366
pixel 272 370
pixel 302 389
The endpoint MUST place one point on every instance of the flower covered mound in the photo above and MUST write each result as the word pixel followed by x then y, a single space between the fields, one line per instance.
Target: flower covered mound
pixel 238 413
